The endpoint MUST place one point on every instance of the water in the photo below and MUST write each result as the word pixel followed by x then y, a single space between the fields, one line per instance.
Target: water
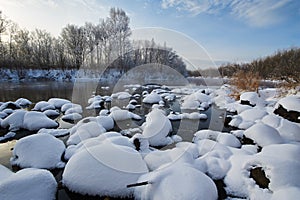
pixel 80 92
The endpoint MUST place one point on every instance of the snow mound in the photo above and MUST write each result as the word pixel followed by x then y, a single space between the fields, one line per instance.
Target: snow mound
pixel 58 102
pixel 72 117
pixel 33 184
pixel 156 128
pixel 51 113
pixel 100 166
pixel 290 103
pixel 286 193
pixel 252 98
pixel 196 100
pixel 152 98
pixel 23 102
pixel 43 105
pixel 85 131
pixel 54 132
pixel 7 136
pixel 121 95
pixel 163 184
pixel 34 121
pixel 14 121
pixel 223 138
pixel 119 115
pixel 38 151
pixel 4 173
pixel 263 135
pixel 68 106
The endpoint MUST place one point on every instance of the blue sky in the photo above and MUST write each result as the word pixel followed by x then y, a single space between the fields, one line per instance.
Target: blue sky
pixel 228 30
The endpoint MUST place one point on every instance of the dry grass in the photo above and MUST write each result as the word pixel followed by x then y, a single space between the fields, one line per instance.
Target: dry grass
pixel 244 81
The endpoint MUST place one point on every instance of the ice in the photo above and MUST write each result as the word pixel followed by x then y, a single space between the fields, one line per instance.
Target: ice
pixel 33 184
pixel 156 128
pixel 163 184
pixel 58 102
pixel 105 170
pixel 43 105
pixel 34 121
pixel 38 151
pixel 152 98
pixel 290 103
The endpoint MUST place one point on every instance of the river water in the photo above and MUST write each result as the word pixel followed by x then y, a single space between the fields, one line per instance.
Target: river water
pixel 80 92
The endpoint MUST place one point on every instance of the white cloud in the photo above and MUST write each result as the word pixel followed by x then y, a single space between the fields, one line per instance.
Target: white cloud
pixel 253 12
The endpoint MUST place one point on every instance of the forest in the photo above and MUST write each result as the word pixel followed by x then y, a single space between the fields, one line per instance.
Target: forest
pixel 283 65
pixel 92 46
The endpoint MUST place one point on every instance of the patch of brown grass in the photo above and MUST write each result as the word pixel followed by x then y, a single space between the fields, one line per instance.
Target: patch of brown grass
pixel 244 82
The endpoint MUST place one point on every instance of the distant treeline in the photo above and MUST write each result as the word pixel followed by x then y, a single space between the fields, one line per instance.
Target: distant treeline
pixel 283 65
pixel 93 46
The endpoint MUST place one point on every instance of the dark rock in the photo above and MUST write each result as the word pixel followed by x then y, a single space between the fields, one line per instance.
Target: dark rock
pixel 289 115
pixel 245 102
pixel 259 176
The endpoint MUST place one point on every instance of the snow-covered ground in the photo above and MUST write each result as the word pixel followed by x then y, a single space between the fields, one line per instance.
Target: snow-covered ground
pixel 257 159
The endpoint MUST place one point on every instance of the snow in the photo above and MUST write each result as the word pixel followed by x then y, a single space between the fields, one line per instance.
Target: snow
pixel 289 130
pixel 43 105
pixel 9 105
pixel 54 132
pixel 152 98
pixel 121 95
pixel 156 128
pixel 252 97
pixel 286 193
pixel 14 121
pixel 72 117
pixel 34 121
pixel 58 102
pixel 23 102
pixel 195 100
pixel 74 109
pixel 85 131
pixel 33 184
pixel 119 115
pixel 263 134
pixel 68 106
pixel 290 103
pixel 4 173
pixel 253 114
pixel 176 182
pixel 222 138
pixel 38 151
pixel 7 136
pixel 51 113
pixel 100 166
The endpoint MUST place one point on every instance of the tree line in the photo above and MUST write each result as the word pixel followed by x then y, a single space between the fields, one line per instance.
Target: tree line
pixel 93 46
pixel 283 65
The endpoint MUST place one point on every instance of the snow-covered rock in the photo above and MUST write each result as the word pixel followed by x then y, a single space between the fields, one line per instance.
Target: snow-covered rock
pixel 58 102
pixel 72 117
pixel 34 120
pixel 85 131
pixel 43 105
pixel 23 102
pixel 38 151
pixel 34 184
pixel 263 134
pixel 119 115
pixel 7 136
pixel 163 184
pixel 105 170
pixel 152 98
pixel 156 128
pixel 251 98
pixel 290 103
pixel 195 100
pixel 51 113
pixel 14 121
pixel 54 132
pixel 121 95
